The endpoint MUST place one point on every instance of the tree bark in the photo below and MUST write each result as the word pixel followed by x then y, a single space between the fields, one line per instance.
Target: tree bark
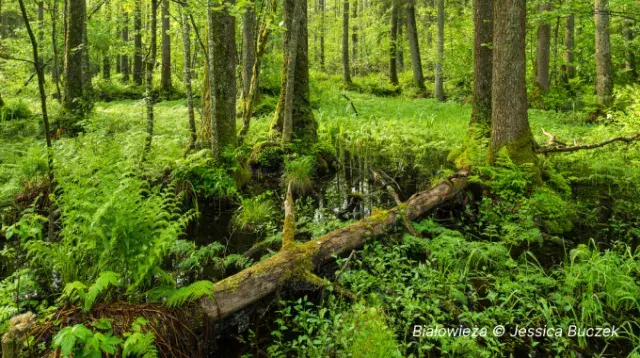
pixel 542 52
pixel 151 64
pixel 55 72
pixel 124 64
pixel 322 57
pixel 73 82
pixel 400 42
pixel 224 78
pixel 106 58
pixel 209 84
pixel 289 264
pixel 249 26
pixel 165 75
pixel 304 124
pixel 509 121
pixel 87 73
pixel 569 31
pixel 346 71
pixel 482 67
pixel 138 71
pixel 604 74
pixel 292 54
pixel 439 81
pixel 186 40
pixel 393 48
pixel 354 37
pixel 414 45
pixel 630 60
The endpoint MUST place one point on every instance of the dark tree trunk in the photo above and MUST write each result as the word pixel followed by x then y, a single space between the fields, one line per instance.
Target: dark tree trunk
pixel 124 64
pixel 304 124
pixel 186 40
pixel 542 51
pixel 509 121
pixel 54 44
pixel 630 61
pixel 292 54
pixel 87 73
pixel 106 58
pixel 569 31
pixel 249 27
pixel 165 75
pixel 354 37
pixel 138 69
pixel 151 64
pixel 482 67
pixel 73 82
pixel 346 71
pixel 224 78
pixel 400 43
pixel 322 57
pixel 40 24
pixel 414 46
pixel 439 81
pixel 604 74
pixel 393 50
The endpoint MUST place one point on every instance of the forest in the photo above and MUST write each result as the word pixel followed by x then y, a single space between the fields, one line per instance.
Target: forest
pixel 344 178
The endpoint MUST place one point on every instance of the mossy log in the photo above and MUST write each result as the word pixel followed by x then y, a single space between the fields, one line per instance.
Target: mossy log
pixel 296 261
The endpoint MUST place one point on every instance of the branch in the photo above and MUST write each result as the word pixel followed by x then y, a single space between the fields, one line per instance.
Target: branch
pixel 352 105
pixel 588 146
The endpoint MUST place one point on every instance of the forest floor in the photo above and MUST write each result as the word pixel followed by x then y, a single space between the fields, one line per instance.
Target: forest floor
pixel 553 257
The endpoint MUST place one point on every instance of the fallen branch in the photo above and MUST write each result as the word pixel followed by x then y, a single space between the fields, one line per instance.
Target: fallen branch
pixel 294 263
pixel 352 105
pixel 588 146
pixel 390 189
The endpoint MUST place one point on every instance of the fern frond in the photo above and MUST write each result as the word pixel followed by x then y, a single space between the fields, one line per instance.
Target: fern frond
pixel 190 293
pixel 106 279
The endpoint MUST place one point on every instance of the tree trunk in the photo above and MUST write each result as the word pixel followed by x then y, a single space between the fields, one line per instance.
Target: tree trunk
pixel 87 73
pixel 151 64
pixel 295 261
pixel 73 82
pixel 54 44
pixel 209 84
pixel 249 26
pixel 304 124
pixel 292 54
pixel 106 58
pixel 124 65
pixel 346 71
pixel 604 75
pixel 542 52
pixel 569 44
pixel 165 75
pixel 482 68
pixel 393 48
pixel 414 45
pixel 439 85
pixel 400 42
pixel 138 71
pixel 186 40
pixel 322 57
pixel 224 76
pixel 509 121
pixel 354 37
pixel 630 61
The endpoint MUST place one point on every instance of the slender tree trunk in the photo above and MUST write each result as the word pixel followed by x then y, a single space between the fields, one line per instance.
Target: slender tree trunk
pixel 322 57
pixel 186 40
pixel 346 71
pixel 482 67
pixel 630 61
pixel 165 76
pixel 138 70
pixel 124 64
pixel 354 36
pixel 414 45
pixel 439 85
pixel 569 31
pixel 40 23
pixel 73 82
pixel 304 125
pixel 87 74
pixel 292 54
pixel 106 58
pixel 393 50
pixel 54 45
pixel 224 78
pixel 249 26
pixel 604 75
pixel 400 43
pixel 215 133
pixel 509 121
pixel 151 64
pixel 542 52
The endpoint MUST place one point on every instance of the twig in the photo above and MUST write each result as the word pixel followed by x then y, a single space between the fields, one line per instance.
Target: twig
pixel 588 146
pixel 344 266
pixel 352 105
pixel 552 138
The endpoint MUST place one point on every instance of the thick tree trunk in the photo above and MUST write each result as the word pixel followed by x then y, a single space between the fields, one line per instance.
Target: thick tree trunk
pixel 400 43
pixel 393 48
pixel 138 70
pixel 414 46
pixel 73 82
pixel 569 44
pixel 482 68
pixel 292 54
pixel 509 121
pixel 304 124
pixel 604 74
pixel 542 51
pixel 295 261
pixel 186 40
pixel 151 64
pixel 439 81
pixel 165 75
pixel 224 78
pixel 346 70
pixel 124 64
pixel 210 79
pixel 249 28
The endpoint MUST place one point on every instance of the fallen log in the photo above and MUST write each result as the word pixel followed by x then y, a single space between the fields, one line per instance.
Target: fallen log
pixel 295 262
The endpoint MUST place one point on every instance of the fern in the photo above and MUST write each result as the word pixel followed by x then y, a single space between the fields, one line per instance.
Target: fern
pixel 179 297
pixel 139 343
pixel 103 282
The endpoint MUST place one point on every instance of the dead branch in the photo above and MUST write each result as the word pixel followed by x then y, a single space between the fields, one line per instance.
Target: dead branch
pixel 588 146
pixel 351 103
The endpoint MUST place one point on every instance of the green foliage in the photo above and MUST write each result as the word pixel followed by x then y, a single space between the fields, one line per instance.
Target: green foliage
pixel 80 341
pixel 206 177
pixel 178 297
pixel 14 110
pixel 254 214
pixel 299 173
pixel 77 291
